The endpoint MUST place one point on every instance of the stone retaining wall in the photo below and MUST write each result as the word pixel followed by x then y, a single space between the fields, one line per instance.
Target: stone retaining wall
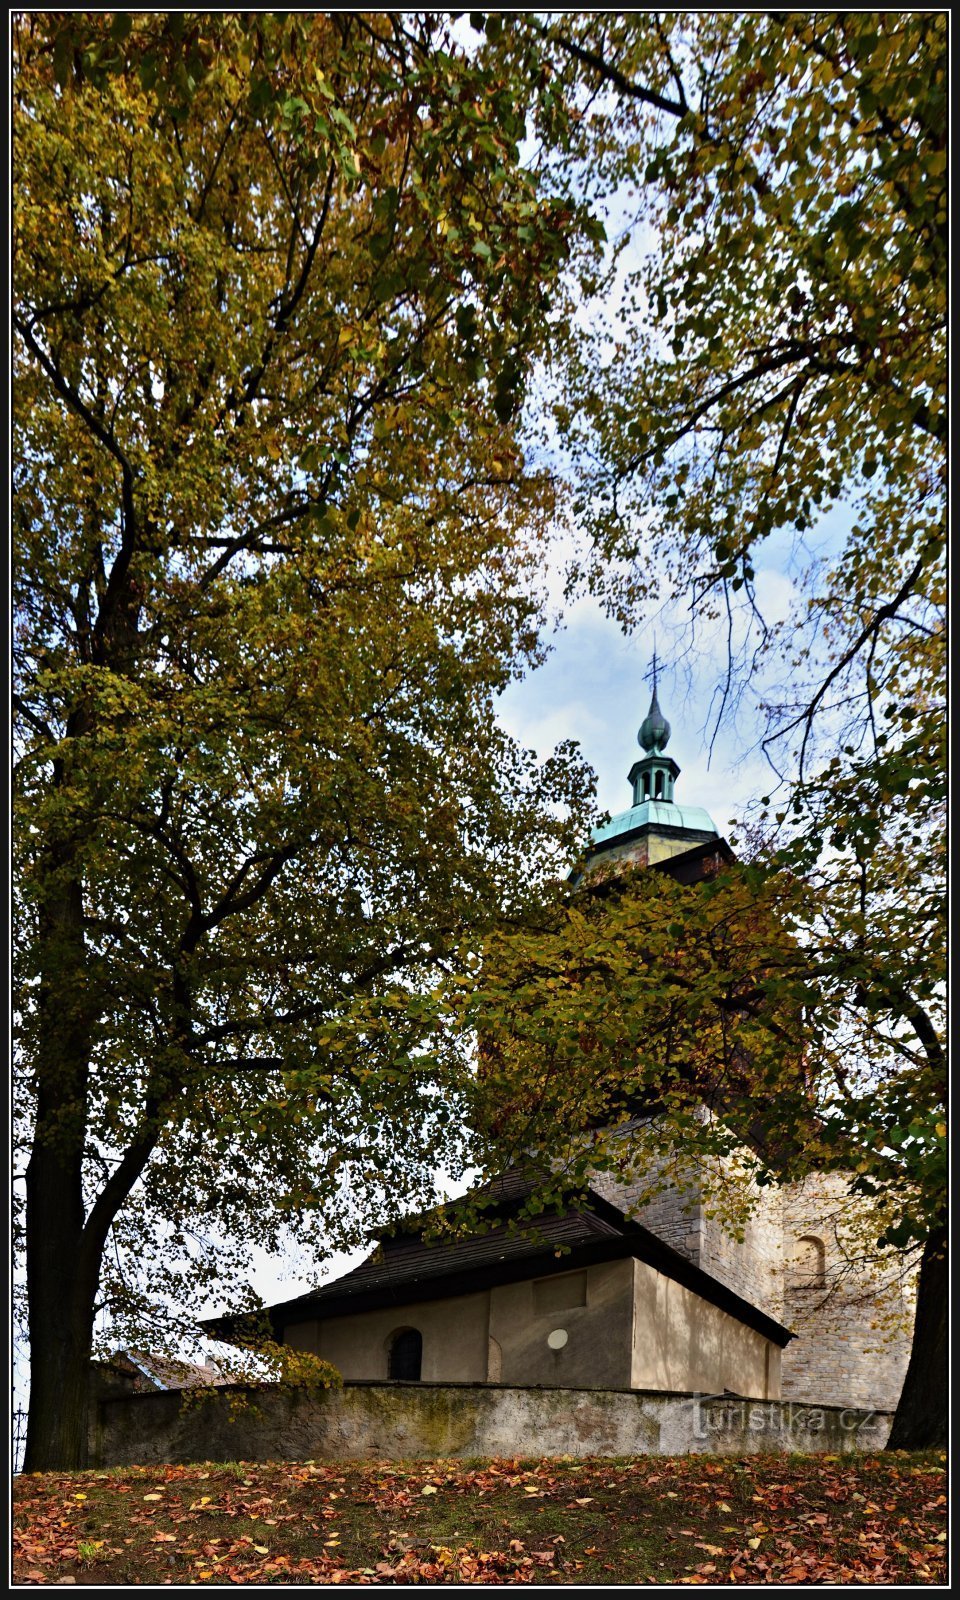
pixel 394 1421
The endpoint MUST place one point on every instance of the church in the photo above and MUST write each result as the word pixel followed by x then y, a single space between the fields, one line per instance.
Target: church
pixel 621 1292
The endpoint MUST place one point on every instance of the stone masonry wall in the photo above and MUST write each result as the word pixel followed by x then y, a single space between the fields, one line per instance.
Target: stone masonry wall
pixel 753 1265
pixel 674 1215
pixel 680 1215
pixel 854 1322
pixel 853 1329
pixel 397 1421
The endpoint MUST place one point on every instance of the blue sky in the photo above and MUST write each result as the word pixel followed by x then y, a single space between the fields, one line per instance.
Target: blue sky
pixel 594 688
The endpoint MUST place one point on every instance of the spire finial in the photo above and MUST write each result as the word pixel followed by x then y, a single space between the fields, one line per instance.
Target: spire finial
pixel 655 729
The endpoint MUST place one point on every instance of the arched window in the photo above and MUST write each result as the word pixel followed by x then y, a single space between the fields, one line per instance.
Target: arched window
pixel 659 793
pixel 646 786
pixel 809 1265
pixel 406 1355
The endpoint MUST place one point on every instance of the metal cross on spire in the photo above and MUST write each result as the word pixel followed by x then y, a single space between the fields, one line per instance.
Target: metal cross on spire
pixel 655 729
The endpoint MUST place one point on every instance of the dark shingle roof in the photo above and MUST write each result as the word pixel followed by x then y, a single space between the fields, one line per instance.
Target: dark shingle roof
pixel 406 1263
pixel 408 1268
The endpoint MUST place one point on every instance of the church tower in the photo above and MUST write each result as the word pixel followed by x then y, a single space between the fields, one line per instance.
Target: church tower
pixel 656 829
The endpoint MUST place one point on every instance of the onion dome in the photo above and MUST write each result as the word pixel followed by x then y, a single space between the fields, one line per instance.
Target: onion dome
pixel 654 732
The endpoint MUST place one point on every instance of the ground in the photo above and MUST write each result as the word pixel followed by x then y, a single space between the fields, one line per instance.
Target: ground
pixel 690 1519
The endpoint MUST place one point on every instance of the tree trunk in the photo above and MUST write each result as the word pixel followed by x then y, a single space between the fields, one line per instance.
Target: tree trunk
pixel 921 1419
pixel 65 1241
pixel 61 1333
pixel 60 1289
pixel 61 1293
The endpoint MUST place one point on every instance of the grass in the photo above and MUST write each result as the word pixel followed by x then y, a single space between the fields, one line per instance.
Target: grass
pixel 688 1519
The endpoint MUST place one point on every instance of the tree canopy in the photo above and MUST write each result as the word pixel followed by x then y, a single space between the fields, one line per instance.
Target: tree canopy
pixel 279 282
pixel 768 345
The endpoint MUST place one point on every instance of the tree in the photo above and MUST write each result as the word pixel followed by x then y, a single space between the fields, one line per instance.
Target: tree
pixel 778 351
pixel 640 993
pixel 693 1035
pixel 279 281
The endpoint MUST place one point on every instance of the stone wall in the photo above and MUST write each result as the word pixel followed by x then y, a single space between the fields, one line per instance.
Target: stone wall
pixel 674 1212
pixel 397 1421
pixel 674 1215
pixel 680 1215
pixel 853 1318
pixel 753 1265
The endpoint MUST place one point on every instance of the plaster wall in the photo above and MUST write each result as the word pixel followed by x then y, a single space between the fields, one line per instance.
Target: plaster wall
pixel 409 1421
pixel 626 1325
pixel 597 1348
pixel 683 1342
pixel 455 1339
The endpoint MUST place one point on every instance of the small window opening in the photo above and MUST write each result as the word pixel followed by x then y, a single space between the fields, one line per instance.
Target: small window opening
pixel 659 791
pixel 406 1355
